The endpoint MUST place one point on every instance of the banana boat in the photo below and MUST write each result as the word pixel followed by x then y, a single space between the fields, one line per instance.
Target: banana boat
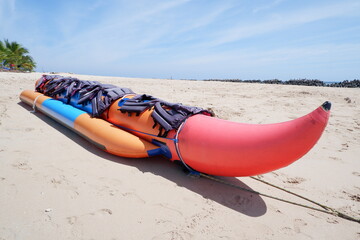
pixel 127 124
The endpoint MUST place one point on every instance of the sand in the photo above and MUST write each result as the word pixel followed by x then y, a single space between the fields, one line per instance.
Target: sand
pixel 56 185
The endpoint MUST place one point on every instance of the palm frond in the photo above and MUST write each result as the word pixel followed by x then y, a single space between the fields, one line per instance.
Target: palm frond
pixel 15 56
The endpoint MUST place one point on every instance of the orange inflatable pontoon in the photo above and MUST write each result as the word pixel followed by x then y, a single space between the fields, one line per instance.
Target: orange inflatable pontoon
pixel 202 142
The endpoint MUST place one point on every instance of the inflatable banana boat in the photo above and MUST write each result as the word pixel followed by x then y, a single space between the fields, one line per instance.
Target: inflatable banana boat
pixel 127 124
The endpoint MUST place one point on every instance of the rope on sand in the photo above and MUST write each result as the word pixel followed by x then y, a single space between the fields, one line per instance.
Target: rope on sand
pixel 326 209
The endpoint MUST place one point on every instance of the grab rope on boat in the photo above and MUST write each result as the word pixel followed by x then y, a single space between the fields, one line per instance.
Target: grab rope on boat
pixel 34 104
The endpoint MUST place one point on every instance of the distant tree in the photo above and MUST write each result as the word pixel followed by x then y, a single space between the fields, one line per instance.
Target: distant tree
pixel 14 56
pixel 2 52
pixel 27 63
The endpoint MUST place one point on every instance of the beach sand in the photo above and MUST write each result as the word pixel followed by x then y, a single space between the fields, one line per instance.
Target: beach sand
pixel 56 185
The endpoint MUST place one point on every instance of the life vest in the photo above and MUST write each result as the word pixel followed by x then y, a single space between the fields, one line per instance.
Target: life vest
pixel 69 90
pixel 94 98
pixel 168 115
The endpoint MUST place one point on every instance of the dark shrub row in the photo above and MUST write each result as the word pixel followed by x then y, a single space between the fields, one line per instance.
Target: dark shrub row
pixel 346 84
pixel 303 82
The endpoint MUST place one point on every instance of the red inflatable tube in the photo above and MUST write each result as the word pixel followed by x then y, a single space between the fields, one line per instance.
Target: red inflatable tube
pixel 225 148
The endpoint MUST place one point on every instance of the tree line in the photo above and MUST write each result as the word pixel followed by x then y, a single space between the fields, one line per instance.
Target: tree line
pixel 303 82
pixel 13 56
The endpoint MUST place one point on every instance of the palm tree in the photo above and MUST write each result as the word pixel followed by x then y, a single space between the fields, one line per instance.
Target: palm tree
pixel 15 56
pixel 27 63
pixel 2 52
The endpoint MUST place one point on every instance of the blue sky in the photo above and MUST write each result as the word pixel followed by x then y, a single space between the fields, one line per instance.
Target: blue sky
pixel 186 39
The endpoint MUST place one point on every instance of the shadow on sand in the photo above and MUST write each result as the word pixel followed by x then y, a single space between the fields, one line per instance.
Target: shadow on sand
pixel 241 201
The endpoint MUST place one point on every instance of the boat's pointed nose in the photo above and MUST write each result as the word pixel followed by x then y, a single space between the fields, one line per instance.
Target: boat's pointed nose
pixel 326 106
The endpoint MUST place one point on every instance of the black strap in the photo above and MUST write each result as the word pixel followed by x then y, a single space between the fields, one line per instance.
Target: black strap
pixel 101 96
pixel 168 115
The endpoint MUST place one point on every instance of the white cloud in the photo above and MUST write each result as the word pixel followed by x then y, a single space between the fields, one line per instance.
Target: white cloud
pixel 120 33
pixel 116 37
pixel 267 6
pixel 283 21
pixel 204 20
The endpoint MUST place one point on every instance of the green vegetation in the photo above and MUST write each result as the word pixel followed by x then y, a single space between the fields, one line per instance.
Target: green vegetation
pixel 304 82
pixel 14 56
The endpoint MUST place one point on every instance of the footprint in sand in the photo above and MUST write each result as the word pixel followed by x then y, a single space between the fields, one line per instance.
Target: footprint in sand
pixel 106 211
pixel 166 208
pixel 332 220
pixel 298 224
pixel 174 234
pixel 294 180
pixel 29 129
pixel 62 182
pixel 22 166
pixel 55 182
pixel 287 230
pixel 134 196
pixel 72 220
pixel 335 158
pixel 106 190
pixel 354 197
